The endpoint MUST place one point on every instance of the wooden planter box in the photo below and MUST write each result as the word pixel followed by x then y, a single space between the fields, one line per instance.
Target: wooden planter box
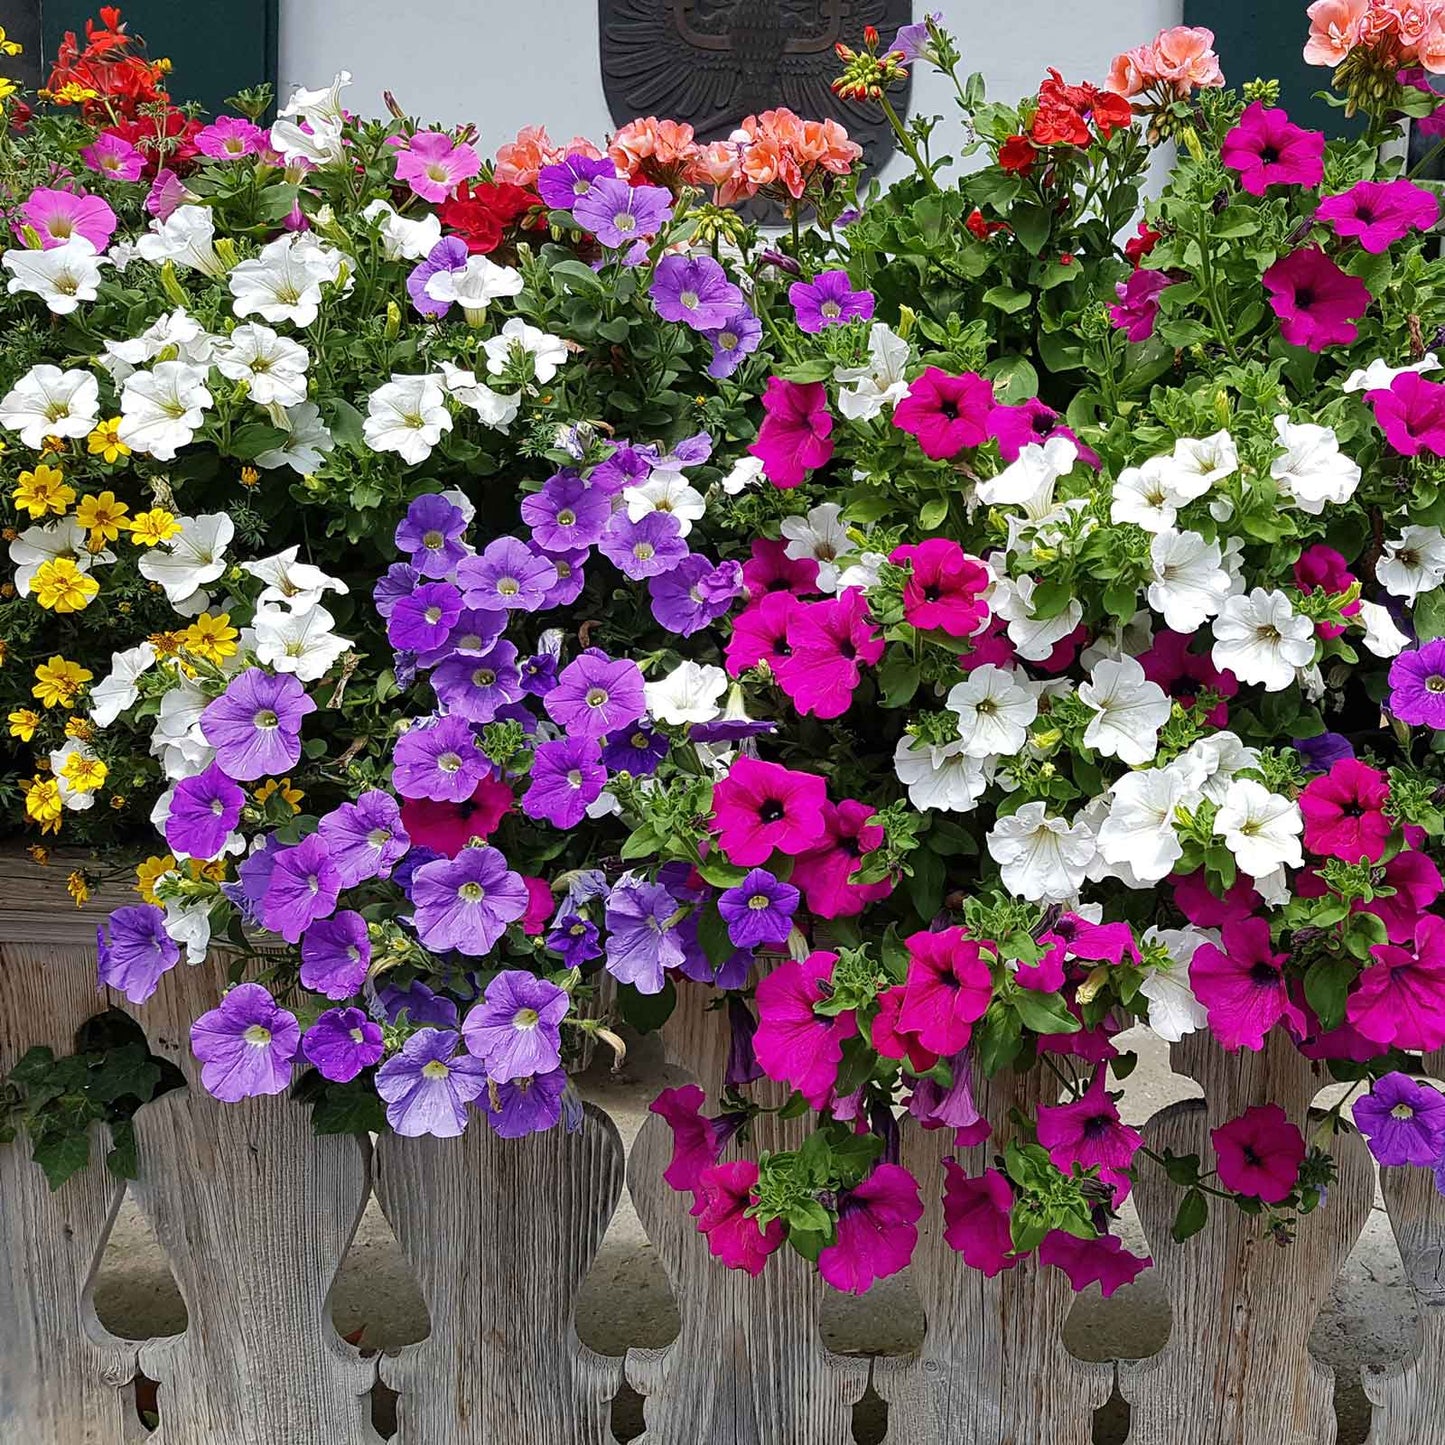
pixel 255 1214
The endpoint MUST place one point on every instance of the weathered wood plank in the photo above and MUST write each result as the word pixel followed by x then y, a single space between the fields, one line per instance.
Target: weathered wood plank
pixel 255 1214
pixel 1236 1369
pixel 64 1380
pixel 501 1234
pixel 749 1366
pixel 993 1366
pixel 35 907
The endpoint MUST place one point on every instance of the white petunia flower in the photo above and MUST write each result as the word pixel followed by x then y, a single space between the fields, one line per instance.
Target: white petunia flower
pixel 1379 374
pixel 688 694
pixel 941 775
pixel 77 800
pixel 186 238
pixel 273 366
pixel 878 384
pixel 862 574
pixel 177 335
pixel 117 690
pixel 1260 638
pixel 1262 829
pixel 994 711
pixel 61 538
pixel 402 237
pixel 1173 1009
pixel 1139 831
pixel 1033 638
pixel 474 285
pixel 1142 496
pixel 49 402
pixel 318 142
pixel 745 472
pixel 284 282
pixel 822 536
pixel 1128 709
pixel 298 586
pixel 1029 482
pixel 177 739
pixel 1312 470
pixel 191 560
pixel 1189 585
pixel 1382 637
pixel 1041 859
pixel 517 341
pixel 666 492
pixel 306 443
pixel 1414 564
pixel 1199 462
pixel 497 409
pixel 407 415
pixel 162 409
pixel 62 277
pixel 189 924
pixel 302 643
pixel 322 104
pixel 1212 762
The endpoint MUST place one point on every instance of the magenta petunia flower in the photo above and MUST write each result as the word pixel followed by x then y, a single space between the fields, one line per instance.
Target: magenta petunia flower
pixel 1205 909
pixel 697 1142
pixel 1344 812
pixel 1399 1001
pixel 114 157
pixel 760 633
pixel 976 1218
pixel 57 216
pixel 1243 986
pixel 796 434
pixel 770 569
pixel 619 214
pixel 1259 1154
pixel 1417 884
pixel 466 902
pixel 824 872
pixel 829 644
pixel 516 1029
pixel 944 592
pixel 1379 213
pixel 1015 427
pixel 341 1043
pixel 877 1231
pixel 946 413
pixel 1137 310
pixel 1267 149
pixel 948 989
pixel 428 1086
pixel 434 165
pixel 255 725
pixel 1317 303
pixel 1411 414
pixel 1102 1261
pixel 595 695
pixel 1088 1132
pixel 1417 685
pixel 793 1044
pixel 828 300
pixel 694 290
pixel 230 138
pixel 336 955
pixel 438 759
pixel 133 950
pixel 204 810
pixel 759 807
pixel 245 1045
pixel 1403 1121
pixel 303 887
pixel 725 1191
pixel 448 827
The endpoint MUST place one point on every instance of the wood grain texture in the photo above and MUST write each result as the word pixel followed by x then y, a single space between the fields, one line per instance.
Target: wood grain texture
pixel 1236 1369
pixel 749 1366
pixel 255 1214
pixel 500 1234
pixel 35 907
pixel 1409 1395
pixel 64 1380
pixel 993 1366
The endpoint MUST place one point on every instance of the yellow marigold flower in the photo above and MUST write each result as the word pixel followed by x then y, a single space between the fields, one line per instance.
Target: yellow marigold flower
pixel 42 491
pixel 290 795
pixel 150 529
pixel 103 517
pixel 9 46
pixel 105 442
pixel 166 644
pixel 42 803
pixel 211 637
pixel 58 682
pixel 39 855
pixel 79 728
pixel 249 476
pixel 78 886
pixel 84 774
pixel 61 585
pixel 73 93
pixel 23 722
pixel 147 873
pixel 214 870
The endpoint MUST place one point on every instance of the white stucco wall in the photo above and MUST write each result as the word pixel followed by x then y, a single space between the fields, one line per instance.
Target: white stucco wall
pixel 508 63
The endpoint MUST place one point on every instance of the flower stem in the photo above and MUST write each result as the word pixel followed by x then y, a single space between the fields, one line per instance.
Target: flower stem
pixel 906 141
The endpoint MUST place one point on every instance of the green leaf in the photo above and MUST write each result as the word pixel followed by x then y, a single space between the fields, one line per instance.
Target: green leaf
pixel 578 275
pixel 933 513
pixel 62 1155
pixel 1032 224
pixel 350 1108
pixel 1191 1216
pixel 1044 1013
pixel 898 680
pixel 1236 221
pixel 1326 985
pixel 122 1160
pixel 997 1040
pixel 1429 615
pixel 646 1012
pixel 1008 298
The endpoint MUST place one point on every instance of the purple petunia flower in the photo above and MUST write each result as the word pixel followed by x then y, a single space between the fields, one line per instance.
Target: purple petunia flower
pixel 730 730
pixel 255 725
pixel 431 534
pixel 303 887
pixel 245 1045
pixel 477 687
pixel 567 777
pixel 341 1043
pixel 1417 685
pixel 566 514
pixel 828 300
pixel 758 910
pixel 642 942
pixel 253 878
pixel 1323 752
pixel 1403 1121
pixel 439 760
pixel 691 451
pixel 473 635
pixel 419 1003
pixel 627 466
pixel 428 1085
pixel 738 336
pixel 508 576
pixel 204 810
pixel 636 750
pixel 539 674
pixel 449 254
pixel 643 548
pixel 424 619
pixel 562 185
pixel 398 581
pixel 467 902
pixel 619 214
pixel 694 290
pixel 365 838
pixel 570 578
pixel 694 594
pixel 596 694
pixel 575 938
pixel 336 955
pixel 913 41
pixel 516 1029
pixel 134 950
pixel 527 1106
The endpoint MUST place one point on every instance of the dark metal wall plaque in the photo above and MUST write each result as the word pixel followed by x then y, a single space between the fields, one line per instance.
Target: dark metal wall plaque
pixel 712 62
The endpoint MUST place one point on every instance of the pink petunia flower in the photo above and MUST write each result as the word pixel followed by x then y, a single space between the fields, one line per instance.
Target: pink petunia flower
pixel 761 806
pixel 56 216
pixel 793 1044
pixel 732 1235
pixel 796 435
pixel 1137 309
pixel 1088 1132
pixel 760 633
pixel 230 138
pixel 1344 812
pixel 944 592
pixel 1259 1154
pixel 434 165
pixel 1102 1261
pixel 1411 414
pixel 1267 149
pixel 1379 213
pixel 1243 986
pixel 946 413
pixel 1317 303
pixel 877 1231
pixel 823 872
pixel 1205 909
pixel 1399 1001
pixel 115 157
pixel 976 1218
pixel 697 1142
pixel 829 645
pixel 893 1041
pixel 1321 568
pixel 1417 884
pixel 770 569
pixel 948 989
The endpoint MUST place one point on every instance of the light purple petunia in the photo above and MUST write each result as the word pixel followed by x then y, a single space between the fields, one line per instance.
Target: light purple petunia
pixel 527 1106
pixel 336 955
pixel 619 214
pixel 203 813
pixel 476 688
pixel 694 594
pixel 134 950
pixel 419 1003
pixel 439 760
pixel 738 337
pixel 567 776
pixel 828 300
pixel 472 635
pixel 758 910
pixel 508 577
pixel 245 1045
pixel 449 254
pixel 365 838
pixel 516 1029
pixel 398 581
pixel 1403 1121
pixel 431 534
pixel 466 902
pixel 570 578
pixel 646 547
pixel 627 466
pixel 562 185
pixel 642 940
pixel 303 887
pixel 341 1043
pixel 424 619
pixel 428 1085
pixel 567 514
pixel 255 725
pixel 694 290
pixel 596 694
pixel 1417 685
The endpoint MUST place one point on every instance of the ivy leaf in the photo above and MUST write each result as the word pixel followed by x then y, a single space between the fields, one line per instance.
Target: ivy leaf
pixel 350 1108
pixel 62 1155
pixel 121 1159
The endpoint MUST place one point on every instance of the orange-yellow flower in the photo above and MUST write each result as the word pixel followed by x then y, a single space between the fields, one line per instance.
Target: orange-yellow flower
pixel 42 491
pixel 103 517
pixel 60 585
